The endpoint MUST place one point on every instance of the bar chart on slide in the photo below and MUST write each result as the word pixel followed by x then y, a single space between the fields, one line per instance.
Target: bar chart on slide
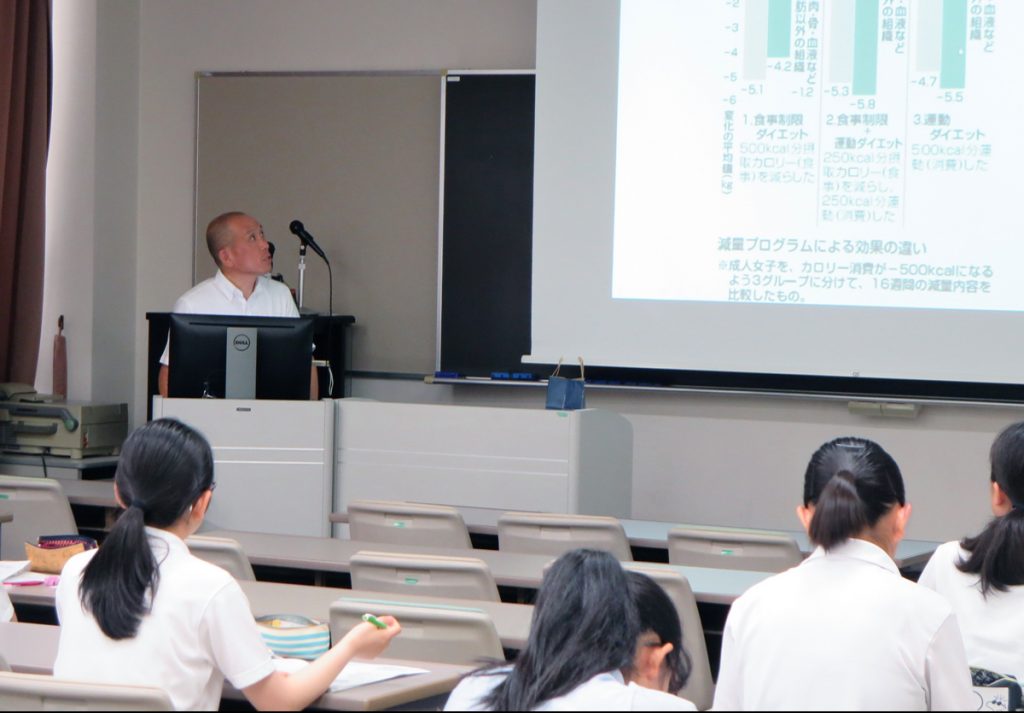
pixel 858 99
pixel 882 132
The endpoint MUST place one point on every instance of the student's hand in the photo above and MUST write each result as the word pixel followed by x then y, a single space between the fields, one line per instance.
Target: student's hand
pixel 367 641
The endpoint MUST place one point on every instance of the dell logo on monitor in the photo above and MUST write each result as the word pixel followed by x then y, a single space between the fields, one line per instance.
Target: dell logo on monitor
pixel 241 342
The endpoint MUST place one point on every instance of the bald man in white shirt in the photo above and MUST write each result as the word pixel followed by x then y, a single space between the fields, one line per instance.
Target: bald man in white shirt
pixel 241 286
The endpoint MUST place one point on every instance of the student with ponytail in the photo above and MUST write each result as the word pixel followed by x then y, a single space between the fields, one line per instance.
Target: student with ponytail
pixel 843 630
pixel 983 576
pixel 142 610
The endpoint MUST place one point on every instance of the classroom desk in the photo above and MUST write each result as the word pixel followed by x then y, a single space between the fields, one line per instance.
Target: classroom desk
pixel 511 620
pixel 653 535
pixel 32 648
pixel 325 554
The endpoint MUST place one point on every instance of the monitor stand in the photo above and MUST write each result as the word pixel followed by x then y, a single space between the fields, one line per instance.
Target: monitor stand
pixel 240 364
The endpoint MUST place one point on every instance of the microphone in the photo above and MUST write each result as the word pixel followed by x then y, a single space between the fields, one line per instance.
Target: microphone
pixel 299 230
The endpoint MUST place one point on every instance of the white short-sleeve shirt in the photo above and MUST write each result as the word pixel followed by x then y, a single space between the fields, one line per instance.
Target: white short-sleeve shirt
pixel 992 626
pixel 842 630
pixel 199 631
pixel 218 295
pixel 604 692
pixel 6 608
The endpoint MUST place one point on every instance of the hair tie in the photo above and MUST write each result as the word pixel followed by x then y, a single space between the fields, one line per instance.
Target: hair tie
pixel 138 503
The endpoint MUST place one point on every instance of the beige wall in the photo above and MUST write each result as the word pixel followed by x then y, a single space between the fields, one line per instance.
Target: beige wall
pixel 121 215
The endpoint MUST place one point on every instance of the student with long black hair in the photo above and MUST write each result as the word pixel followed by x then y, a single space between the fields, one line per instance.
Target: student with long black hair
pixel 983 576
pixel 583 635
pixel 843 630
pixel 659 661
pixel 142 610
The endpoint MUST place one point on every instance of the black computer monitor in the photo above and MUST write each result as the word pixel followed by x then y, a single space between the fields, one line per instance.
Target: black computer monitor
pixel 267 358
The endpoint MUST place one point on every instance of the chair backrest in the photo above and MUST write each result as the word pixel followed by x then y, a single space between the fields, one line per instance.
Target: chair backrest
pixel 400 523
pixel 555 534
pixel 223 552
pixel 456 577
pixel 39 507
pixel 430 632
pixel 24 691
pixel 759 550
pixel 700 688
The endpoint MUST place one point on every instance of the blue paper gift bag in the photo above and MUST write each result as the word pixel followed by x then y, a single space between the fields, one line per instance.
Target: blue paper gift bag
pixel 566 394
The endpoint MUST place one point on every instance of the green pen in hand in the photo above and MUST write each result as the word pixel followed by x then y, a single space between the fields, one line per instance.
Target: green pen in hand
pixel 371 619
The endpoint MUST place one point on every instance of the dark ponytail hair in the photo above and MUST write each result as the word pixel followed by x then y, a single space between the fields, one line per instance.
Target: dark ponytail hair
pixel 658 614
pixel 584 623
pixel 163 469
pixel 852 483
pixel 997 553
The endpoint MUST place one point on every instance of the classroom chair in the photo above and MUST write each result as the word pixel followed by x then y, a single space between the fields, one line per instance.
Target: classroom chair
pixel 555 534
pixel 223 552
pixel 401 523
pixel 25 691
pixel 39 506
pixel 430 632
pixel 700 688
pixel 726 548
pixel 436 576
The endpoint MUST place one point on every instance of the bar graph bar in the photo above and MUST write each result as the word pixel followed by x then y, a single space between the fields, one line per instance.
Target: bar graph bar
pixel 953 73
pixel 780 15
pixel 755 39
pixel 865 47
pixel 928 57
pixel 841 19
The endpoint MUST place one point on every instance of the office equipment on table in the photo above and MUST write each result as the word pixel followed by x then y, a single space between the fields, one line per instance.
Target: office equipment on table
pixel 39 507
pixel 27 691
pixel 553 534
pixel 46 424
pixel 432 575
pixel 700 688
pixel 235 357
pixel 224 552
pixel 400 523
pixel 489 457
pixel 430 632
pixel 273 461
pixel 759 550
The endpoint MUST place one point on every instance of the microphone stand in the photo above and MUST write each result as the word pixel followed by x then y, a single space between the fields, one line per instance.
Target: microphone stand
pixel 302 270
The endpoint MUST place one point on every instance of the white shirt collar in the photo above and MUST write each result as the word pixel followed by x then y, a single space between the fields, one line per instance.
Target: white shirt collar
pixel 858 549
pixel 231 290
pixel 173 543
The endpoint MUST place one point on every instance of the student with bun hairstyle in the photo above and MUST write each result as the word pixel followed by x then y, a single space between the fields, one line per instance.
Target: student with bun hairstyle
pixel 843 630
pixel 142 610
pixel 983 576
pixel 583 636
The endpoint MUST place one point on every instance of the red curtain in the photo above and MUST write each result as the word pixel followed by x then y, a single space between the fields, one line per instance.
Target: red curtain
pixel 25 88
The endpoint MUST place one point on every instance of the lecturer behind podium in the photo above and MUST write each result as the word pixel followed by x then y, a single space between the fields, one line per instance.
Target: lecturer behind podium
pixel 240 287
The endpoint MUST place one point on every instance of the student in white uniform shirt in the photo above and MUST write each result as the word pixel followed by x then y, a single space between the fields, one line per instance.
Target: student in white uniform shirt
pixel 983 576
pixel 843 630
pixel 583 636
pixel 241 286
pixel 142 610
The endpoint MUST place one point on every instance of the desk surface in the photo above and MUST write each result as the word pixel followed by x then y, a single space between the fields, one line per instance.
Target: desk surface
pixel 712 586
pixel 653 534
pixel 32 648
pixel 511 620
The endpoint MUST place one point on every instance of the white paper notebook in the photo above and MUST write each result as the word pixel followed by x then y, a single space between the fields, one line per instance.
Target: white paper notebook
pixel 10 568
pixel 355 673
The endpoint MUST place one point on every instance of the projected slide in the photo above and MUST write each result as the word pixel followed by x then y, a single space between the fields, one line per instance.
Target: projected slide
pixel 843 152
